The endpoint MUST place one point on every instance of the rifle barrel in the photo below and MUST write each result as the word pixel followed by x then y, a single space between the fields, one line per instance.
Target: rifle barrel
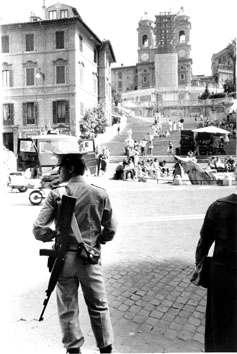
pixel 67 208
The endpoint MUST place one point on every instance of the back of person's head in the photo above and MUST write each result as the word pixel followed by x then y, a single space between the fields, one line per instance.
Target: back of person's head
pixel 79 166
pixel 75 160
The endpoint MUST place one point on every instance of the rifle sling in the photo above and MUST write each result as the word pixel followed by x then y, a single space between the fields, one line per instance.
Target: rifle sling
pixel 74 223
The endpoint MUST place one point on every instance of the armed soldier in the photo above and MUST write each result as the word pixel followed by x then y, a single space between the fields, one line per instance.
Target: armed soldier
pixel 97 225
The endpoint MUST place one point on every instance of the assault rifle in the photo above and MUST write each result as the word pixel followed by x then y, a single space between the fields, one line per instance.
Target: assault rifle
pixel 67 208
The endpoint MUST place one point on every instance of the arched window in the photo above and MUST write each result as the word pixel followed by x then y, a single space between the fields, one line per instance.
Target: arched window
pixel 145 40
pixel 181 37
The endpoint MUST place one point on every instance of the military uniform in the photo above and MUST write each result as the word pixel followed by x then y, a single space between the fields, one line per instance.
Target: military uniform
pixel 97 223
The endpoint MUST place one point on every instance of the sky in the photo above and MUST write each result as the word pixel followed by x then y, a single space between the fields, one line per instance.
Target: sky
pixel 213 23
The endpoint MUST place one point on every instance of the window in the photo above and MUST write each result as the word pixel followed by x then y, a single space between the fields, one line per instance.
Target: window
pixel 145 40
pixel 81 43
pixel 182 37
pixel 182 77
pixel 60 74
pixel 120 75
pixel 61 111
pixel 63 13
pixel 53 15
pixel 95 56
pixel 29 42
pixel 6 78
pixel 5 44
pixel 81 74
pixel 30 76
pixel 8 114
pixel 59 39
pixel 94 84
pixel 120 85
pixel 30 112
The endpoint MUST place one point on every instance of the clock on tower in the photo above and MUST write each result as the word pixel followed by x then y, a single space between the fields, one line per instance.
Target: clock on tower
pixel 144 56
pixel 181 53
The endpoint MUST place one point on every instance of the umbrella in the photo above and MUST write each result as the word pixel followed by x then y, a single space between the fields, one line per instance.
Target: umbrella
pixel 211 129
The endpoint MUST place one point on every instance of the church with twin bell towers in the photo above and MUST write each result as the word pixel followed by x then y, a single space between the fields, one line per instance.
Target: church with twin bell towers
pixel 162 79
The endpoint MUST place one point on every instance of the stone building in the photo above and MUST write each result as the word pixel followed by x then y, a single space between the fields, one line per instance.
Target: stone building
pixel 162 79
pixel 163 54
pixel 222 66
pixel 53 69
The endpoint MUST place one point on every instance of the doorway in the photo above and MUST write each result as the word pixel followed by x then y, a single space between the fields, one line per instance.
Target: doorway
pixel 8 141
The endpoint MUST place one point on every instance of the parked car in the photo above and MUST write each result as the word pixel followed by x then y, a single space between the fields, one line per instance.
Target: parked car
pixel 17 180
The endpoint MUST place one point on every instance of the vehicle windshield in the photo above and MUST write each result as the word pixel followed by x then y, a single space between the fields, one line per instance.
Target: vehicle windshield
pixel 27 146
pixel 48 146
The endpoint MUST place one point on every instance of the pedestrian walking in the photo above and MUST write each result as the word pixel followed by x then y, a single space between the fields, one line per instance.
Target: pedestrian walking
pixel 170 148
pixel 174 126
pixel 98 155
pixel 97 224
pixel 178 170
pixel 104 160
pixel 181 123
pixel 220 228
pixel 150 147
pixel 170 123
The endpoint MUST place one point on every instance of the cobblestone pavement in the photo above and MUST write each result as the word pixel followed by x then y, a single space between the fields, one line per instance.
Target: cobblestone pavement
pixel 154 307
pixel 147 267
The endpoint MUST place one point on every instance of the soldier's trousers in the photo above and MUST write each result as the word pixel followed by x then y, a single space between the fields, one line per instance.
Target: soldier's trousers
pixel 90 277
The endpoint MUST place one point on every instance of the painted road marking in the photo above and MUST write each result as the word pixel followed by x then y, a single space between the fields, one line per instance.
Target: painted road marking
pixel 164 218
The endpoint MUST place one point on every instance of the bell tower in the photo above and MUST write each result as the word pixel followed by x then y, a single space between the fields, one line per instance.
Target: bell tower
pixel 145 39
pixel 183 47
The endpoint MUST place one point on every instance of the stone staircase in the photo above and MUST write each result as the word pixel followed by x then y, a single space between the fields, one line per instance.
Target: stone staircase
pixel 140 127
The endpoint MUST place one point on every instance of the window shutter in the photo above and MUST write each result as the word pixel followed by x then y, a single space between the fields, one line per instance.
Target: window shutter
pixel 67 118
pixel 36 111
pixel 11 112
pixel 24 113
pixel 11 78
pixel 60 74
pixel 60 40
pixel 54 112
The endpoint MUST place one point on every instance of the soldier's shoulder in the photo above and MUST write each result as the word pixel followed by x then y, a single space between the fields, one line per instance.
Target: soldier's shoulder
pixel 97 187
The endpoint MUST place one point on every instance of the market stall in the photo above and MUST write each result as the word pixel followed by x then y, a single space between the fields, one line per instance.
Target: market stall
pixel 210 140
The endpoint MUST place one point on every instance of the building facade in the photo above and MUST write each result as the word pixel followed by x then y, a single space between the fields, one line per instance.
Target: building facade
pixel 162 78
pixel 165 40
pixel 53 69
pixel 222 66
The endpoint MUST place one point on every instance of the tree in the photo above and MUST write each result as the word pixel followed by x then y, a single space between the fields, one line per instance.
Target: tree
pixel 116 96
pixel 205 94
pixel 229 86
pixel 93 123
pixel 231 50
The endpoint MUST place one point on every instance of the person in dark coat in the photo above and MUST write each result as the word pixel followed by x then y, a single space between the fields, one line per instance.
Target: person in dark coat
pixel 220 227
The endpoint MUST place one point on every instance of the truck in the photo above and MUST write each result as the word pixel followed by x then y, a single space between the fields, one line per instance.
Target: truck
pixel 35 153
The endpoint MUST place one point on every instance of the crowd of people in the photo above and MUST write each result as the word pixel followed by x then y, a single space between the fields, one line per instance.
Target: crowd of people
pixel 227 123
pixel 222 165
pixel 145 169
pixel 173 126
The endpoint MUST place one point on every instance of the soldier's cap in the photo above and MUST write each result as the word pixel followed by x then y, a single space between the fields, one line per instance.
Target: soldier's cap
pixel 68 157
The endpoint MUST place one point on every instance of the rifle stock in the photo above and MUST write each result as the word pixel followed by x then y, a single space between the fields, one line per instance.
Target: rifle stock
pixel 67 208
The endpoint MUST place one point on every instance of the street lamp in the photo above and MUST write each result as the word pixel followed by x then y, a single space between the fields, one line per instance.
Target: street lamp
pixel 39 74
